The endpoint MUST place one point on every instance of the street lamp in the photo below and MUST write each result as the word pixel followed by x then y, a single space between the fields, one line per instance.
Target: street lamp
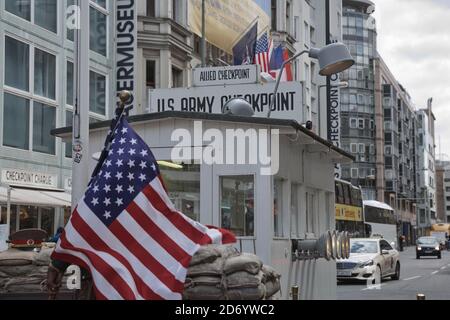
pixel 333 58
pixel 341 85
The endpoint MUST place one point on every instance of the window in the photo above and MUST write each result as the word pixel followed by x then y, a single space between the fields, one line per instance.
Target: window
pixel 44 74
pixel 354 148
pixel 46 14
pixel 98 29
pixel 69 123
pixel 19 8
pixel 16 125
pixel 237 205
pixel 278 208
pixel 362 148
pixel 288 17
pixel 151 10
pixel 274 14
pixel 150 74
pixel 354 173
pixel 361 124
pixel 70 99
pixel 177 78
pixel 44 120
pixel 183 186
pixel 353 123
pixel 97 93
pixel 17 63
pixel 372 149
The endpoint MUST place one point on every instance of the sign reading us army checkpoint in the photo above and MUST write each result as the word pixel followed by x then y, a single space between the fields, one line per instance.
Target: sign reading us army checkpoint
pixel 210 100
pixel 219 76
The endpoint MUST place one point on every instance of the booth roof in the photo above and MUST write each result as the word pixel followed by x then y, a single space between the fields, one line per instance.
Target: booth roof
pixel 38 198
pixel 67 131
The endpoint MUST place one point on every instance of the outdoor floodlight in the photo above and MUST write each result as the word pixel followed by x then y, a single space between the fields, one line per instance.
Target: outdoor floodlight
pixel 238 107
pixel 314 248
pixel 334 58
pixel 266 77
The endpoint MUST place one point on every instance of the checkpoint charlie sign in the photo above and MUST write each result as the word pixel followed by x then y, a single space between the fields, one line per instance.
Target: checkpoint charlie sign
pixel 288 102
pixel 218 76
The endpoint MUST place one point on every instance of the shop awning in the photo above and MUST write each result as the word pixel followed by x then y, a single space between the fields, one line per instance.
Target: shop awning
pixel 38 198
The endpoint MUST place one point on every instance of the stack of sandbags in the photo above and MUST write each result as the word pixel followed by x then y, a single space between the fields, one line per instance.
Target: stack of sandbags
pixel 19 273
pixel 222 273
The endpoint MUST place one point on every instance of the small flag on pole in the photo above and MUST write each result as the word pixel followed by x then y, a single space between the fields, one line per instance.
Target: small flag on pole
pixel 277 59
pixel 244 50
pixel 127 232
pixel 263 49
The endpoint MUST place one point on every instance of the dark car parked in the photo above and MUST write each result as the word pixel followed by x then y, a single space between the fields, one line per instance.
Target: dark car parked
pixel 428 246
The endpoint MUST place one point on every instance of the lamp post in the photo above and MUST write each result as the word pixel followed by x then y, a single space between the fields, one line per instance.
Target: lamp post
pixel 333 58
pixel 343 84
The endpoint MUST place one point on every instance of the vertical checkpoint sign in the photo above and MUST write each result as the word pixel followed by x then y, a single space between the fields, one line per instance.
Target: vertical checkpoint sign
pixel 126 47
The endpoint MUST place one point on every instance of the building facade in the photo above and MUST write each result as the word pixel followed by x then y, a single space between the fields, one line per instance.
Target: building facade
pixel 442 182
pixel 357 101
pixel 37 94
pixel 397 154
pixel 427 164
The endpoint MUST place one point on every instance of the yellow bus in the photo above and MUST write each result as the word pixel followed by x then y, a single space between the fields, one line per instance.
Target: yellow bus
pixel 349 209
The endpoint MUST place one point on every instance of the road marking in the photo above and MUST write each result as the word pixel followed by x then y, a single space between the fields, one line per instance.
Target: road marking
pixel 433 273
pixel 412 278
pixel 374 287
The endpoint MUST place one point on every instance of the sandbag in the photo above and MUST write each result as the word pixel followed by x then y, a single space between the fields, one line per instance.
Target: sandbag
pixel 206 254
pixel 14 257
pixel 43 257
pixel 272 287
pixel 207 269
pixel 257 293
pixel 22 271
pixel 244 262
pixel 203 281
pixel 243 279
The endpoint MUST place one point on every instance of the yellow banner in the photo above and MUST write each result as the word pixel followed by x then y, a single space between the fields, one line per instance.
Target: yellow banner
pixel 227 20
pixel 348 213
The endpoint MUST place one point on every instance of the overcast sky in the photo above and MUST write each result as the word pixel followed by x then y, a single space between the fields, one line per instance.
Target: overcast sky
pixel 414 41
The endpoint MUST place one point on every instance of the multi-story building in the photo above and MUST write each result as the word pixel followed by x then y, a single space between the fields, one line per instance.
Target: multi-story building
pixel 397 162
pixel 442 196
pixel 36 95
pixel 427 183
pixel 357 101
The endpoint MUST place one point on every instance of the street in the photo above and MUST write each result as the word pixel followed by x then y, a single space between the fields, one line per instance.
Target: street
pixel 428 275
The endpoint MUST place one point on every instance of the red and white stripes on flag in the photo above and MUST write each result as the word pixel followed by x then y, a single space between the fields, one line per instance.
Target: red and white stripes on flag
pixel 144 254
pixel 263 51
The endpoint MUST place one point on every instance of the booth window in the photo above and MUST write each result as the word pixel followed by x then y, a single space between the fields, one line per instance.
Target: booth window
pixel 183 186
pixel 4 217
pixel 237 208
pixel 278 208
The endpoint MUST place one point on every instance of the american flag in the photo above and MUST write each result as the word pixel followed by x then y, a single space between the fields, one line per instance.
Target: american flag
pixel 127 232
pixel 263 48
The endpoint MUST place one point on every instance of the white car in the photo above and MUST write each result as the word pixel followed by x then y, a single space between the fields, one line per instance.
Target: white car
pixel 370 259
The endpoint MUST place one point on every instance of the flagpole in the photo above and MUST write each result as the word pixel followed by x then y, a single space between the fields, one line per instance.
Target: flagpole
pixel 80 166
pixel 121 112
pixel 203 34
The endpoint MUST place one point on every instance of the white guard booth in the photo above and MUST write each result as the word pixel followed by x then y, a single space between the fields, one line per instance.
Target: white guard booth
pixel 265 212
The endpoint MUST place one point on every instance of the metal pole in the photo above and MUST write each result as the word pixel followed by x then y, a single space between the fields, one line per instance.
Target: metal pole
pixel 8 210
pixel 203 34
pixel 328 41
pixel 80 169
pixel 277 85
